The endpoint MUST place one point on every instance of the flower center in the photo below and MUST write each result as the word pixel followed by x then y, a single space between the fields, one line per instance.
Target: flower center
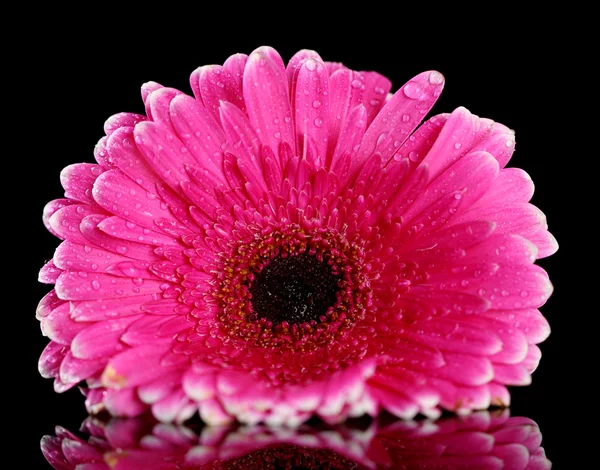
pixel 294 289
pixel 292 457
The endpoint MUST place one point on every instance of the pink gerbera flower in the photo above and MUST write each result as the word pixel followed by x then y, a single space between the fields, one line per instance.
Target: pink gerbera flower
pixel 482 440
pixel 291 242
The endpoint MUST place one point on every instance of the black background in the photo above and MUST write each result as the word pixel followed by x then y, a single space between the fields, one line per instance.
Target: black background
pixel 77 78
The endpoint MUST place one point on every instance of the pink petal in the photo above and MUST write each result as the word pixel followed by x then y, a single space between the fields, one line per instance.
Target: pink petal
pixel 127 230
pixel 51 358
pixel 88 286
pixel 74 370
pixel 511 185
pixel 103 309
pixel 146 330
pixel 118 194
pixel 505 249
pixel 158 389
pixel 418 145
pixel 446 301
pixel 124 155
pixel 200 386
pixel 454 242
pixel 48 303
pixel 201 135
pixel 412 385
pixel 518 218
pixel 463 369
pixel 164 152
pixel 530 322
pixel 101 339
pixel 134 367
pixel 455 140
pixel 59 326
pixel 159 102
pixel 499 141
pixel 235 64
pixel 340 104
pixel 376 89
pixel 78 180
pixel 76 257
pixel 499 394
pixel 400 116
pixel 216 84
pixel 116 121
pixel 295 63
pixel 266 96
pixel 474 173
pixel 513 455
pixel 245 141
pixel 212 413
pixel 124 403
pixel 172 408
pixel 449 335
pixel 394 401
pixel 65 222
pixel 531 362
pixel 350 135
pixel 82 453
pixel 311 107
pixel 49 273
pixel 138 251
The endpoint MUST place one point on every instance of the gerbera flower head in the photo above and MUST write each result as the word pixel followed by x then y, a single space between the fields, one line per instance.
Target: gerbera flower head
pixel 482 440
pixel 290 241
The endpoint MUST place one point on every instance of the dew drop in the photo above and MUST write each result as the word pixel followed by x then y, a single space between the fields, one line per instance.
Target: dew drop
pixel 316 104
pixel 287 119
pixel 379 90
pixel 436 78
pixel 509 143
pixel 412 90
pixel 311 65
pixel 405 117
pixel 457 145
pixel 318 122
pixel 357 84
pixel 96 284
pixel 374 102
pixel 414 156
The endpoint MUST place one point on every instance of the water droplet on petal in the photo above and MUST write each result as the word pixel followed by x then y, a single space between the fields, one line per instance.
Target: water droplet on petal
pixel 318 122
pixel 311 64
pixel 457 145
pixel 96 284
pixel 412 90
pixel 509 143
pixel 406 118
pixel 356 84
pixel 436 78
pixel 316 104
pixel 374 102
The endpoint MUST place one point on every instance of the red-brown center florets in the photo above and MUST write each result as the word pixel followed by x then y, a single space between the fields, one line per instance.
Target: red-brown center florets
pixel 293 288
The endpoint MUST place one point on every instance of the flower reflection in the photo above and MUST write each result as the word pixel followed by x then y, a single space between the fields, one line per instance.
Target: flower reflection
pixel 482 440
